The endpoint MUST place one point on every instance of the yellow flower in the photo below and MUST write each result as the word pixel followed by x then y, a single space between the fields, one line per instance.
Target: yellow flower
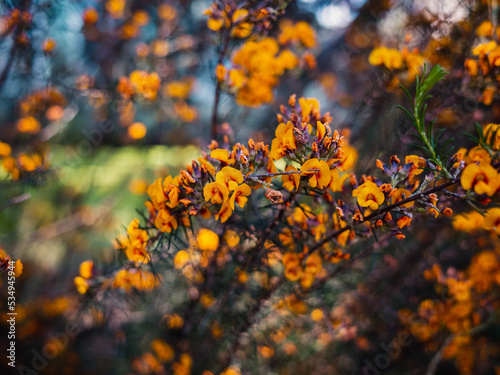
pixel 314 263
pixel 48 45
pixel 28 125
pixel 167 12
pixel 337 182
pixel 403 221
pixel 232 238
pixel 300 32
pixel 485 29
pixel 207 240
pixel 224 213
pixel 5 149
pixel 488 95
pixel 471 66
pixel 391 58
pixel 229 176
pixel 220 72
pixel 162 350
pixel 484 48
pixel 137 130
pixel 309 106
pixel 242 29
pixel 318 172
pixel 135 246
pixel 293 270
pixel 145 83
pixel 216 192
pixel 468 222
pixel 179 89
pixel 18 268
pixel 87 269
pixel 220 155
pixel 81 284
pixel 417 161
pixel 306 34
pixel 157 194
pixel 492 219
pixel 240 195
pixel 115 8
pixel 376 56
pixel 401 194
pixel 215 24
pixel 237 78
pixel 290 181
pixel 284 142
pixel 482 177
pixel 165 221
pixel 181 259
pixel 369 195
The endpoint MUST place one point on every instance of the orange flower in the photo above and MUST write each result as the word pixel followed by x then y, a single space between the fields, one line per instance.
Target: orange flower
pixel 220 72
pixel 313 263
pixel 229 176
pixel 369 195
pixel 81 284
pixel 293 272
pixel 135 247
pixel 492 219
pixel 337 182
pixel 318 172
pixel 242 29
pixel 221 155
pixel 417 162
pixel 390 57
pixel 284 142
pixel 163 351
pixel 207 240
pixel 165 221
pixel 5 149
pixel 28 125
pixel 403 221
pixel 224 213
pixel 48 45
pixel 482 177
pixel 401 194
pixel 137 130
pixel 216 192
pixel 87 269
pixel 240 195
pixel 309 106
pixel 290 181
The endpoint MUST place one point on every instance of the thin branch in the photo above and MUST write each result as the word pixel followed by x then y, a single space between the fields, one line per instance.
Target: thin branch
pixel 15 200
pixel 385 210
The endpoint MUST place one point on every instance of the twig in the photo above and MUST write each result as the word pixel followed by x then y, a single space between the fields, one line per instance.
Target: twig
pixel 384 210
pixel 15 200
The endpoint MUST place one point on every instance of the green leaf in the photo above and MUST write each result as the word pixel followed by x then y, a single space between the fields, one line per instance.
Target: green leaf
pixel 472 137
pixel 436 74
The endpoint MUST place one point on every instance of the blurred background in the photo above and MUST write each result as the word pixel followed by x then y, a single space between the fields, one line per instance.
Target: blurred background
pixel 96 148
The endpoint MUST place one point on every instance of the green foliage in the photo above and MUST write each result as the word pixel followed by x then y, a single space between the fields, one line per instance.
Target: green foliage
pixel 437 153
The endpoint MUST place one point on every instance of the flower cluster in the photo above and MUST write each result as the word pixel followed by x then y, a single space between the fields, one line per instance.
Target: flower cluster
pixel 482 66
pixel 22 165
pixel 140 83
pixel 393 59
pixel 256 69
pixel 464 313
